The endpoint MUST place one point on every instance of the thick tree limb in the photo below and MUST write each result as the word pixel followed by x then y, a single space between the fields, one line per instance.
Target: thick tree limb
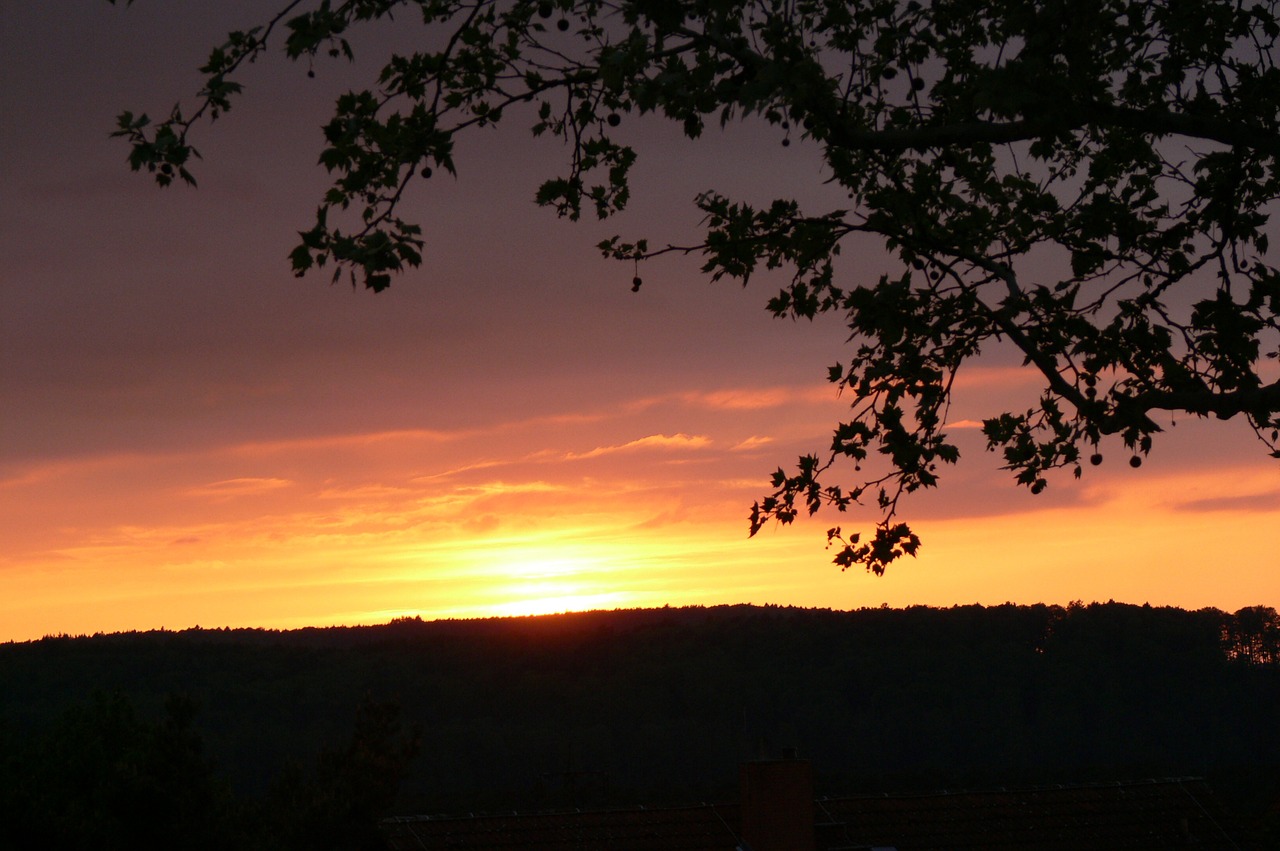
pixel 1223 405
pixel 1157 123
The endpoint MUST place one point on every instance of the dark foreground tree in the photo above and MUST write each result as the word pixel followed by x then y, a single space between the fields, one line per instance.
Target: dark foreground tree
pixel 102 776
pixel 1091 181
pixel 337 805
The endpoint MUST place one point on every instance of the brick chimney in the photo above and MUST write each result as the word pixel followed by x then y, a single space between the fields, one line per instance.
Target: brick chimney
pixel 777 805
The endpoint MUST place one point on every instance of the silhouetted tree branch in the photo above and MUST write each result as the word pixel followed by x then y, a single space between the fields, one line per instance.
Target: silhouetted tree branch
pixel 1091 182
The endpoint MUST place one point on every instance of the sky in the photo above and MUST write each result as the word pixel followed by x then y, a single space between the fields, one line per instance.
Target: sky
pixel 190 436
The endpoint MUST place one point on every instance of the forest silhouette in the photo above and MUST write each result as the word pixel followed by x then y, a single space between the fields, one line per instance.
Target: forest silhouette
pixel 248 735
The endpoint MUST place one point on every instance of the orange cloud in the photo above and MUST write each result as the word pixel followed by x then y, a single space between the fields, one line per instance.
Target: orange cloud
pixel 653 441
pixel 989 377
pixel 228 488
pixel 757 398
pixel 341 441
pixel 364 492
pixel 1251 503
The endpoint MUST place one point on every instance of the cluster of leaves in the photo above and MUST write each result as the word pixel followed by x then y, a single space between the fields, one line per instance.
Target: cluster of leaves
pixel 1089 182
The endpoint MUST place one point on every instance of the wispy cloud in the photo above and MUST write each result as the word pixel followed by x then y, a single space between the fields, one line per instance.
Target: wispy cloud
pixel 363 492
pixel 504 488
pixel 1254 502
pixel 755 441
pixel 340 441
pixel 757 398
pixel 247 486
pixel 653 441
pixel 990 377
pixel 457 471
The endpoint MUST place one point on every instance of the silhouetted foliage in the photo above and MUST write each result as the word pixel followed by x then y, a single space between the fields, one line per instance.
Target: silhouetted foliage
pixel 620 708
pixel 337 805
pixel 1091 183
pixel 101 777
pixel 1253 635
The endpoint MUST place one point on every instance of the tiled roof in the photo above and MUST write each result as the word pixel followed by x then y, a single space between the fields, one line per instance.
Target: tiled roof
pixel 1155 814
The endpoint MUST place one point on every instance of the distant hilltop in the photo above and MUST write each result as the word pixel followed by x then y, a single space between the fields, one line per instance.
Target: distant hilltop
pixel 1252 632
pixel 660 705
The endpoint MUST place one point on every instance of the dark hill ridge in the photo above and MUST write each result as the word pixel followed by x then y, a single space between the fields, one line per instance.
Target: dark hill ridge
pixel 659 705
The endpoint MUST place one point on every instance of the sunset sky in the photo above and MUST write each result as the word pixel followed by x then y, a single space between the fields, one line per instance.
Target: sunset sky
pixel 191 436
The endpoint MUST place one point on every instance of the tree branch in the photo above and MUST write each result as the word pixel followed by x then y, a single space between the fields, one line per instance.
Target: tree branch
pixel 1156 122
pixel 1224 405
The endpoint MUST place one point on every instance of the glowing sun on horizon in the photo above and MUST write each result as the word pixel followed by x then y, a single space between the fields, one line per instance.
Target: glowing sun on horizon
pixel 560 576
pixel 554 604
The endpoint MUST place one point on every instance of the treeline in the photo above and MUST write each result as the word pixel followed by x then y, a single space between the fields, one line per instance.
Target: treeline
pixel 100 776
pixel 653 706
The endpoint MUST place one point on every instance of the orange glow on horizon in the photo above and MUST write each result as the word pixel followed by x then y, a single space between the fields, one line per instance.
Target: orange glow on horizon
pixel 1126 542
pixel 192 435
pixel 573 513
